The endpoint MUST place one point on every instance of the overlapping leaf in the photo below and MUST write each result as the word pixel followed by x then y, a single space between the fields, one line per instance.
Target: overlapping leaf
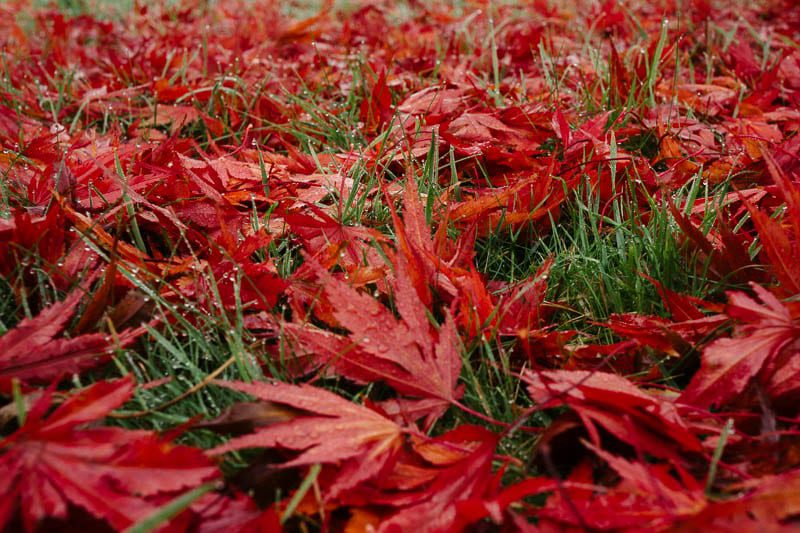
pixel 409 354
pixel 766 327
pixel 34 352
pixel 327 429
pixel 644 421
pixel 57 461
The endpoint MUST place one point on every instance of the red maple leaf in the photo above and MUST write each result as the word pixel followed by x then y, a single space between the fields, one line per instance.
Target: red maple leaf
pixel 33 351
pixel 647 497
pixel 54 462
pixel 780 239
pixel 665 497
pixel 463 471
pixel 328 429
pixel 409 354
pixel 764 330
pixel 644 421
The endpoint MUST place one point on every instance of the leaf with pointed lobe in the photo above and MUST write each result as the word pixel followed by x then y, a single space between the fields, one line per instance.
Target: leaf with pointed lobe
pixel 643 420
pixel 765 328
pixel 329 428
pixel 326 429
pixel 53 462
pixel 409 354
pixel 33 351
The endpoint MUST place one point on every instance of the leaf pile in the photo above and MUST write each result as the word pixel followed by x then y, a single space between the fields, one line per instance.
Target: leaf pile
pixel 388 266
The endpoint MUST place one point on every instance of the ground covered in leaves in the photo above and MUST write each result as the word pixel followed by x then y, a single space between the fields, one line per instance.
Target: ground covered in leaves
pixel 400 266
